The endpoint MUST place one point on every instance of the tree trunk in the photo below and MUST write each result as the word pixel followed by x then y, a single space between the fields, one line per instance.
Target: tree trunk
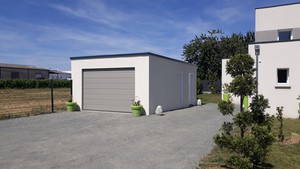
pixel 242 133
pixel 241 103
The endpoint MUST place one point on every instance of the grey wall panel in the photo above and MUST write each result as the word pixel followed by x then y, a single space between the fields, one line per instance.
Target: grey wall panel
pixel 108 86
pixel 296 33
pixel 23 73
pixel 43 73
pixel 105 108
pixel 112 92
pixel 127 80
pixel 108 89
pixel 266 36
pixel 111 97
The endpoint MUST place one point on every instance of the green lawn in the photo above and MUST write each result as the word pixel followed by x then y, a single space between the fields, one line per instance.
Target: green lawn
pixel 209 98
pixel 283 156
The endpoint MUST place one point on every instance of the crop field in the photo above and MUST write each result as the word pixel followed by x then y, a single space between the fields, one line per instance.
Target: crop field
pixel 27 102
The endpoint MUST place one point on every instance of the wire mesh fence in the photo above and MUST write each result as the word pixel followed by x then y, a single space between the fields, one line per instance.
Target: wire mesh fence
pixel 27 102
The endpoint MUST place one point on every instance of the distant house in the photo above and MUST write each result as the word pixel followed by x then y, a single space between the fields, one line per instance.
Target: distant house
pixel 56 74
pixel 14 71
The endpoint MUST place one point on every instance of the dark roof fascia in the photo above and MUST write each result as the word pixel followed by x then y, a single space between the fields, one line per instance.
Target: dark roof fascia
pixel 294 3
pixel 127 55
pixel 295 40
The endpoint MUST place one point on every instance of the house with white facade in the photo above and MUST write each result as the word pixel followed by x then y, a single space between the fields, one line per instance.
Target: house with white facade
pixel 277 35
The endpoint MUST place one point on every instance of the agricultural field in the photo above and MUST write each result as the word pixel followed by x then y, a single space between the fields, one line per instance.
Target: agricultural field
pixel 27 102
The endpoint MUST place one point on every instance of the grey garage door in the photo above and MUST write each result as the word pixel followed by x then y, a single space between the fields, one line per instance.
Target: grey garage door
pixel 108 89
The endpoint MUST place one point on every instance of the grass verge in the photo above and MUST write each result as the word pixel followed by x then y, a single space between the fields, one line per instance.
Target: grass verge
pixel 282 156
pixel 209 98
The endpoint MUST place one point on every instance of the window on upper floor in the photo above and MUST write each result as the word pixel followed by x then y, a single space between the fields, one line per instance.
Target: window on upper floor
pixel 282 76
pixel 284 35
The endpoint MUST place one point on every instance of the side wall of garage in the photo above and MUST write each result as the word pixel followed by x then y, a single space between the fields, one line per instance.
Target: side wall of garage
pixel 139 63
pixel 172 84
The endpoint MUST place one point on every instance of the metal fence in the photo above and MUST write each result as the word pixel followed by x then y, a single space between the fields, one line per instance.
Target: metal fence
pixel 27 102
pixel 206 87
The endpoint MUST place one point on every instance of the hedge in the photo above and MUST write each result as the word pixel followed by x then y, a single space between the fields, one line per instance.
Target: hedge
pixel 33 83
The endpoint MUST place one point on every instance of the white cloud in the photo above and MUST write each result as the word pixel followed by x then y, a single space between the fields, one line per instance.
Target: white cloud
pixel 226 15
pixel 95 11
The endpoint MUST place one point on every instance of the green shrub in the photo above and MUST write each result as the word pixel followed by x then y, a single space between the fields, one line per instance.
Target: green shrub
pixel 226 108
pixel 33 83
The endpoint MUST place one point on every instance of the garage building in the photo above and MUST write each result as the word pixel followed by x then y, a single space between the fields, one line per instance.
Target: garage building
pixel 111 82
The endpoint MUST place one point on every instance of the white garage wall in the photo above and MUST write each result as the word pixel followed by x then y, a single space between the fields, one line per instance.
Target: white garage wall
pixel 169 84
pixel 140 63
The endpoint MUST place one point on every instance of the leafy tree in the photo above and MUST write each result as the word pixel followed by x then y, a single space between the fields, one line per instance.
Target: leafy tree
pixel 252 145
pixel 207 51
pixel 240 67
pixel 204 51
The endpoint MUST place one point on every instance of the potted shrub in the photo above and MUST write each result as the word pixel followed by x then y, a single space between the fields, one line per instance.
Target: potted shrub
pixel 225 92
pixel 70 105
pixel 136 107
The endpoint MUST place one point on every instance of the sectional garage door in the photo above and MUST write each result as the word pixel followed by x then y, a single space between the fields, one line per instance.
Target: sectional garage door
pixel 108 89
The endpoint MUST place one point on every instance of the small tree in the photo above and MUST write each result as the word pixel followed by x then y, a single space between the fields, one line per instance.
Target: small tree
pixel 252 145
pixel 279 116
pixel 240 67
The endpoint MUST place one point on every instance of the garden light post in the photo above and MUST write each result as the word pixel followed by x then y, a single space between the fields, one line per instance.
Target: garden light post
pixel 257 52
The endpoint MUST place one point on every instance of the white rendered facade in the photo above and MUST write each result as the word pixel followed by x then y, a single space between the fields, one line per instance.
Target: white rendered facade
pixel 277 32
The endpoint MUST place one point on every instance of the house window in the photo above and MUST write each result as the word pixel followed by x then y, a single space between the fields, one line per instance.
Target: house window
pixel 14 75
pixel 282 76
pixel 284 35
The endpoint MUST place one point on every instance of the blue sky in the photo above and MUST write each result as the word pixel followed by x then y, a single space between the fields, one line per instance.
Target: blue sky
pixel 46 33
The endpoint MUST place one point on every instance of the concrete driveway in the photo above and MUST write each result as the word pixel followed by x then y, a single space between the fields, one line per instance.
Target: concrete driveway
pixel 109 140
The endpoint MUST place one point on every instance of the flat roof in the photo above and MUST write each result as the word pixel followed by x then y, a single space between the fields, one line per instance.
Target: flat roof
pixel 58 72
pixel 127 55
pixel 17 66
pixel 295 3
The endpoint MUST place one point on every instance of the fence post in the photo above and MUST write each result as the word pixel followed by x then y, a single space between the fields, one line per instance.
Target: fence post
pixel 71 92
pixel 52 103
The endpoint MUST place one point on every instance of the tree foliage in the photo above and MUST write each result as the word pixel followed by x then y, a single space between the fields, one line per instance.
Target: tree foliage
pixel 240 68
pixel 208 50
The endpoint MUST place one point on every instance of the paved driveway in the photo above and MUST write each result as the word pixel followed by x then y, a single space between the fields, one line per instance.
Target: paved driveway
pixel 109 140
